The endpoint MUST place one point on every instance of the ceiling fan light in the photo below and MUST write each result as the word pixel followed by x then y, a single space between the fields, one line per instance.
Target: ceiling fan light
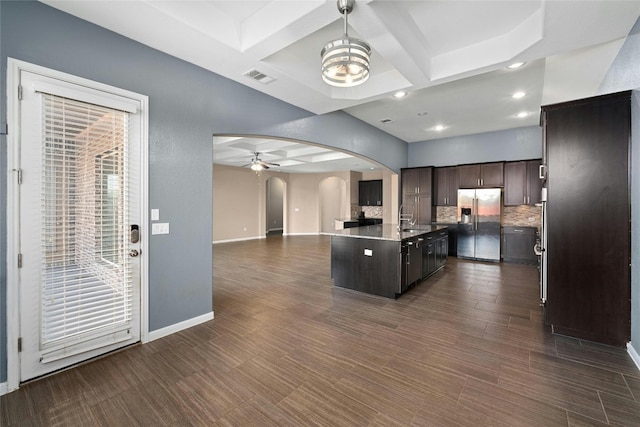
pixel 345 61
pixel 256 167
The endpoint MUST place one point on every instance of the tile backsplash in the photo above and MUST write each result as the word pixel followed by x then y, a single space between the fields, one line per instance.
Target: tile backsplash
pixel 369 211
pixel 522 216
pixel 519 216
pixel 446 214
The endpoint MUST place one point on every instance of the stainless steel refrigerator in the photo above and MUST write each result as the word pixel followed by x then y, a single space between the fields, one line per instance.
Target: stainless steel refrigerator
pixel 479 218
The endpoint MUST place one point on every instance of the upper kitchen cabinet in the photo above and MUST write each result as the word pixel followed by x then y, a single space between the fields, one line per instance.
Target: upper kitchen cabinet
pixel 588 218
pixel 416 194
pixel 370 193
pixel 445 186
pixel 522 183
pixel 485 175
pixel 417 180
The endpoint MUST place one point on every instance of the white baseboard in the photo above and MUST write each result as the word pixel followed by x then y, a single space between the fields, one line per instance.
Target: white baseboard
pixel 215 242
pixel 303 234
pixel 634 355
pixel 177 327
pixel 4 388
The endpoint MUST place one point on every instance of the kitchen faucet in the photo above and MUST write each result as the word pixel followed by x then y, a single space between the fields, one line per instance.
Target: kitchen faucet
pixel 405 217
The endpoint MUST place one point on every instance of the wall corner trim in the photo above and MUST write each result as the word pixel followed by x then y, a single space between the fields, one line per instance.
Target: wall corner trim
pixel 634 355
pixel 177 327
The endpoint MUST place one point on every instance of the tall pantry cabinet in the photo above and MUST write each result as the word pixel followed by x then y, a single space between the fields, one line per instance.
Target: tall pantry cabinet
pixel 586 149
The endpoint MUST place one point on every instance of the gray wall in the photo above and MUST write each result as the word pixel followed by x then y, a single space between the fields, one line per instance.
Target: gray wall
pixel 187 105
pixel 624 74
pixel 511 144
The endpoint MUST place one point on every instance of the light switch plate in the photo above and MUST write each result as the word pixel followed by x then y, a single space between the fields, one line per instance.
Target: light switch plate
pixel 160 228
pixel 155 214
pixel 368 252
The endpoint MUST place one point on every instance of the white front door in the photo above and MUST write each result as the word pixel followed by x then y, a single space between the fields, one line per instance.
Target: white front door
pixel 79 219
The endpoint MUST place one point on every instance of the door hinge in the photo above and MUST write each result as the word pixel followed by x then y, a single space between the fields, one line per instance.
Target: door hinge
pixel 19 260
pixel 19 172
pixel 20 93
pixel 19 344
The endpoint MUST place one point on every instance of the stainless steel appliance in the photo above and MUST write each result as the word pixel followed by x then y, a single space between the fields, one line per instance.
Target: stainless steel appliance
pixel 479 218
pixel 540 248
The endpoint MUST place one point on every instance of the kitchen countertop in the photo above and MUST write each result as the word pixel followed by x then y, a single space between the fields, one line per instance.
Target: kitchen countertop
pixel 386 231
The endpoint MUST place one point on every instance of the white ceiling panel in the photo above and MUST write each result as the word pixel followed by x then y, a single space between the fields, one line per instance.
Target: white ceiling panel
pixel 448 55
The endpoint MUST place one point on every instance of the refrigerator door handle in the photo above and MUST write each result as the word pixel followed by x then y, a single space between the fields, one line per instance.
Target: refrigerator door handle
pixel 475 214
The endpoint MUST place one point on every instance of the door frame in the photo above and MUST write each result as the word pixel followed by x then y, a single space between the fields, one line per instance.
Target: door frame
pixel 14 68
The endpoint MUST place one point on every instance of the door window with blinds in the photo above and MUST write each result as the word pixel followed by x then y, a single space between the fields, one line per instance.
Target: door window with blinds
pixel 86 283
pixel 81 155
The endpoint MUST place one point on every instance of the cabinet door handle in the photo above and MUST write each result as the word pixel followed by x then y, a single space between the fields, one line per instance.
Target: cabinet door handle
pixel 541 171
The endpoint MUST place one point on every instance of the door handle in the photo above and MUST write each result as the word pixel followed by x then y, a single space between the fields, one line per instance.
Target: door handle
pixel 133 253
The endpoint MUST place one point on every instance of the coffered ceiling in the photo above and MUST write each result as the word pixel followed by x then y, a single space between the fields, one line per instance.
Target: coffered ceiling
pixel 449 56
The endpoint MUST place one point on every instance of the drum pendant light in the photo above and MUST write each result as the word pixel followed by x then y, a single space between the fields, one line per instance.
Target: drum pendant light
pixel 345 61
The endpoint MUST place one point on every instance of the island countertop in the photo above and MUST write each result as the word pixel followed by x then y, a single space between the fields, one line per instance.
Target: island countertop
pixel 387 231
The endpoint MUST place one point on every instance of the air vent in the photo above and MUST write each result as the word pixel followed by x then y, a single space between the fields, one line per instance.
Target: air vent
pixel 259 76
pixel 386 121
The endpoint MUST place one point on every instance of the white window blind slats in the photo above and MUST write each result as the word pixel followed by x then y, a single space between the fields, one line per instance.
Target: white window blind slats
pixel 87 95
pixel 86 277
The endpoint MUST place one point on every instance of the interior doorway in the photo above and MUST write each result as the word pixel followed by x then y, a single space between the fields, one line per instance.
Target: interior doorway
pixel 275 207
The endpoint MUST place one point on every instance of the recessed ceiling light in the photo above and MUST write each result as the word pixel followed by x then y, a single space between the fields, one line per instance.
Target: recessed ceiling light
pixel 522 114
pixel 400 94
pixel 518 95
pixel 438 128
pixel 516 65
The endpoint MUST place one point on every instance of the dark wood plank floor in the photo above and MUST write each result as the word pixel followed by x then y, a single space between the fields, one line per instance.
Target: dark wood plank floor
pixel 467 347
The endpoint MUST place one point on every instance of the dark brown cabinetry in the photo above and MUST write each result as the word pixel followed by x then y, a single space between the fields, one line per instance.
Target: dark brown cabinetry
pixel 434 252
pixel 487 175
pixel 416 194
pixel 588 218
pixel 522 183
pixel 445 186
pixel 370 192
pixel 382 265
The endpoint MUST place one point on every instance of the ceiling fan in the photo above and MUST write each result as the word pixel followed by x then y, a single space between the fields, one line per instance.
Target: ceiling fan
pixel 257 164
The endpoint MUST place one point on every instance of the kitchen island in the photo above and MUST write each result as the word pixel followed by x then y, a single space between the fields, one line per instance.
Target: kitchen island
pixel 385 261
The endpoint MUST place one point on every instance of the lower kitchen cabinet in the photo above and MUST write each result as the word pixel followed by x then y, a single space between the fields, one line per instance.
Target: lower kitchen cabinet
pixel 377 262
pixel 518 243
pixel 363 222
pixel 434 252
